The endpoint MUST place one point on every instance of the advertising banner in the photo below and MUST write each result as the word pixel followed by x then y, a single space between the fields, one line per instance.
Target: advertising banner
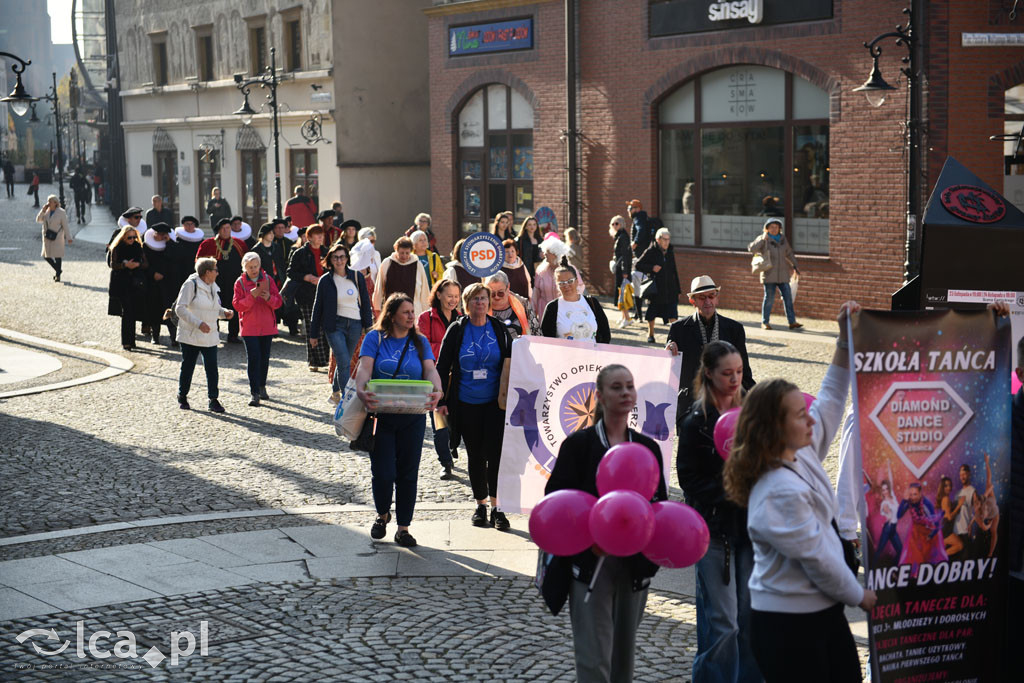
pixel 934 418
pixel 552 393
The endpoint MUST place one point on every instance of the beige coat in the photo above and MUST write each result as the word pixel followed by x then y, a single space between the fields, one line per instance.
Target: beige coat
pixel 781 254
pixel 58 222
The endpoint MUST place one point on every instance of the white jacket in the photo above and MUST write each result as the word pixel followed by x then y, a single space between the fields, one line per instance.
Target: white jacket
pixel 849 489
pixel 197 303
pixel 798 558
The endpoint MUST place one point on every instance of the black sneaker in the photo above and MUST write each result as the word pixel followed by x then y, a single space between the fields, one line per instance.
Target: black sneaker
pixel 480 516
pixel 263 394
pixel 447 475
pixel 405 539
pixel 255 401
pixel 183 403
pixel 499 521
pixel 215 406
pixel 380 527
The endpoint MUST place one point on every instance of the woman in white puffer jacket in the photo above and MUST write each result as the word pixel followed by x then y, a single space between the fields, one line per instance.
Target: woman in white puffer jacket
pixel 198 309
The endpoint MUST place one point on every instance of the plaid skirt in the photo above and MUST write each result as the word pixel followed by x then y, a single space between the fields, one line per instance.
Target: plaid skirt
pixel 320 356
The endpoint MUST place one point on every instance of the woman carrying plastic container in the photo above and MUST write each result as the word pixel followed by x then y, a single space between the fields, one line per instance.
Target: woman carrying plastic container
pixel 393 349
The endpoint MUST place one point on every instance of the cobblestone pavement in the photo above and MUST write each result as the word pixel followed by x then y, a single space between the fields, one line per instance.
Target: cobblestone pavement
pixel 120 450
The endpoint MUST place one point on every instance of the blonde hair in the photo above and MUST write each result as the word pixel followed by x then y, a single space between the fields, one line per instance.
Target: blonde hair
pixel 470 292
pixel 213 192
pixel 121 235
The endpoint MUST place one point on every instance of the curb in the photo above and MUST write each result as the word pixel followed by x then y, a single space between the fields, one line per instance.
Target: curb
pixel 116 365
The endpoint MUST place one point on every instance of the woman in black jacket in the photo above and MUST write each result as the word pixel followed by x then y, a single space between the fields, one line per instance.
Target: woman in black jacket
pixel 611 615
pixel 623 259
pixel 723 599
pixel 573 315
pixel 305 267
pixel 659 262
pixel 127 282
pixel 528 241
pixel 470 364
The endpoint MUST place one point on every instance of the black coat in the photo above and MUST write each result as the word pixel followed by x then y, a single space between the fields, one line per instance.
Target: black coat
pixel 530 253
pixel 449 369
pixel 272 260
pixel 686 334
pixel 301 264
pixel 641 233
pixel 700 476
pixel 576 468
pixel 164 215
pixel 549 324
pixel 623 256
pixel 127 289
pixel 666 279
pixel 161 293
pixel 217 209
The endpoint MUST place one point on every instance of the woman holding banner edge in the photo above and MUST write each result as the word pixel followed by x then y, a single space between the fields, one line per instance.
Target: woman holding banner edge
pixel 800 581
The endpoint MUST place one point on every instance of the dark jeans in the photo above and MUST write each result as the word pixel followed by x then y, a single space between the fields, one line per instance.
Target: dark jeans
pixel 9 182
pixel 395 464
pixel 35 191
pixel 80 207
pixel 189 355
pixel 129 314
pixel 815 647
pixel 54 263
pixel 483 428
pixel 257 361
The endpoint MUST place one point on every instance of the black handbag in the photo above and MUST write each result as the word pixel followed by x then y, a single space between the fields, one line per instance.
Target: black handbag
pixel 51 234
pixel 553 579
pixel 850 556
pixel 649 288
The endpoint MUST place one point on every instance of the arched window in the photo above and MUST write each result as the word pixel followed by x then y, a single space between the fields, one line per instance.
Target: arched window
pixel 1013 155
pixel 495 157
pixel 741 143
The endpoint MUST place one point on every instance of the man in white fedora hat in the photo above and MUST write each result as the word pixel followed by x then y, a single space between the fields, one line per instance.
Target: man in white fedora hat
pixel 690 335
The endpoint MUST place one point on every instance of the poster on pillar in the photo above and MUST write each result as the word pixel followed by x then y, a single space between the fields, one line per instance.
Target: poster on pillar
pixel 552 393
pixel 930 392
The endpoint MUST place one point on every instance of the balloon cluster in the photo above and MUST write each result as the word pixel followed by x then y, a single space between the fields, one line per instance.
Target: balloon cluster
pixel 725 427
pixel 622 522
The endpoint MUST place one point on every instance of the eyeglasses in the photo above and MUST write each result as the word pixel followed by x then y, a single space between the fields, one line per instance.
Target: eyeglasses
pixel 570 281
pixel 706 297
pixel 498 295
pixel 339 257
pixel 480 299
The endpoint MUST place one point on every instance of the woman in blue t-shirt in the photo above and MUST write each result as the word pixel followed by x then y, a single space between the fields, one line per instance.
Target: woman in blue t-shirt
pixel 470 364
pixel 393 349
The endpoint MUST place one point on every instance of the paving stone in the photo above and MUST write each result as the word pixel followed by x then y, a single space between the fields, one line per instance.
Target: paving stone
pixel 17 605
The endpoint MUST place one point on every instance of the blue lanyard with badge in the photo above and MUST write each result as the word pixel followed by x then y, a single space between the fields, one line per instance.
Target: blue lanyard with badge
pixel 479 373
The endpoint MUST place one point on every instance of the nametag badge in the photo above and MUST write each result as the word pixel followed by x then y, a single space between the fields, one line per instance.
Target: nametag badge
pixel 480 374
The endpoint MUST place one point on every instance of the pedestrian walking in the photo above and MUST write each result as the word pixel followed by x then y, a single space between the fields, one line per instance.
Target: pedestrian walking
pixel 217 209
pixel 422 222
pixel 332 233
pixel 433 323
pixel 242 232
pixel 544 288
pixel 188 236
pixel 395 350
pixel 56 234
pixel 228 252
pixel 622 261
pixel 456 272
pixel 471 366
pixel 162 283
pixel 800 581
pixel 33 189
pixel 573 315
pixel 300 208
pixel 341 312
pixel 776 251
pixel 502 226
pixel 198 308
pixel 158 212
pixel 9 178
pixel 519 279
pixel 723 598
pixel 349 230
pixel 80 189
pixel 528 241
pixel 575 244
pixel 430 261
pixel 269 251
pixel 402 273
pixel 127 289
pixel 306 268
pixel 640 238
pixel 510 308
pixel 255 299
pixel 659 263
pixel 606 606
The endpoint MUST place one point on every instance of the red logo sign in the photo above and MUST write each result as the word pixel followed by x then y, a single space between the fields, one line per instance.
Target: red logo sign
pixel 974 204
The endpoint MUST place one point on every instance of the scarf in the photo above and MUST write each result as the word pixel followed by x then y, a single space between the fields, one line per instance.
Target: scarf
pixel 703 332
pixel 777 238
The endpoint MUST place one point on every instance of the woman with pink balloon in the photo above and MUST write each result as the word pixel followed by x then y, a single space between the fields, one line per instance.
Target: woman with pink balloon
pixel 723 599
pixel 800 580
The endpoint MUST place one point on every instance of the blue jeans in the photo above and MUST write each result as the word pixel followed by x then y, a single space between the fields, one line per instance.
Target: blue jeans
pixel 395 463
pixel 189 356
pixel 769 300
pixel 724 652
pixel 343 342
pixel 257 361
pixel 442 444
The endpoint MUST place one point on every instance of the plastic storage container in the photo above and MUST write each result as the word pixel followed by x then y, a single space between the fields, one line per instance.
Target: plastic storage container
pixel 403 396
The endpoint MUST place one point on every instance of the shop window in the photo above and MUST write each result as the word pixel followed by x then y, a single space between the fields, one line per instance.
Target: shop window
pixel 1013 152
pixel 160 69
pixel 304 171
pixel 739 144
pixel 495 157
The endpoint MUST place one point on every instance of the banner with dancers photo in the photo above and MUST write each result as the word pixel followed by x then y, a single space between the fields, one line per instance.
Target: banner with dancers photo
pixel 551 394
pixel 930 392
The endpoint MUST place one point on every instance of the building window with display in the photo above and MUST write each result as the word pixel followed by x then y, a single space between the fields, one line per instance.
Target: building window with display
pixel 495 157
pixel 740 144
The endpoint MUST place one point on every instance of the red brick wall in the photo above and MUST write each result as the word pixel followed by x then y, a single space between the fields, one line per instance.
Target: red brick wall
pixel 624 74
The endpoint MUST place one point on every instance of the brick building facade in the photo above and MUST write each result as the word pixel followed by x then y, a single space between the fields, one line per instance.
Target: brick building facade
pixel 658 112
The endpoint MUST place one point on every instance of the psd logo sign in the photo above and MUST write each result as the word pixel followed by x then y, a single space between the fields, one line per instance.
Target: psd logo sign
pixel 482 254
pixel 974 204
pixel 920 420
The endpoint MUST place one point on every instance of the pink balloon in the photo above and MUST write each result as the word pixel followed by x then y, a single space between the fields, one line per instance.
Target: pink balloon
pixel 725 430
pixel 552 234
pixel 622 523
pixel 680 536
pixel 628 466
pixel 560 522
pixel 809 399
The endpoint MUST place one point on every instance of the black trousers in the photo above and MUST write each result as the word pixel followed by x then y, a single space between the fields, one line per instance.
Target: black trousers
pixel 483 428
pixel 80 207
pixel 9 182
pixel 814 647
pixel 54 263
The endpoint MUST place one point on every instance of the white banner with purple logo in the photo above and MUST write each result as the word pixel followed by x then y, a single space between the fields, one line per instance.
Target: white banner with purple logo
pixel 552 393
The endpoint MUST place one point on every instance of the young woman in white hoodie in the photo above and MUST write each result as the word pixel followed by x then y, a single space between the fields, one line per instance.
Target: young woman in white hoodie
pixel 800 581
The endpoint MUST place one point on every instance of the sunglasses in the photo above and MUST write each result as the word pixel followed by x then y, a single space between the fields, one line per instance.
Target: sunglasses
pixel 129 238
pixel 570 281
pixel 498 294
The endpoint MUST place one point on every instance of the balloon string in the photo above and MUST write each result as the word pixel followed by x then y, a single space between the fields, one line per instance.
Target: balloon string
pixel 597 571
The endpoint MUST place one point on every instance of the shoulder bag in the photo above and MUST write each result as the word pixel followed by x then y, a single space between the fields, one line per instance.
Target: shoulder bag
pixel 761 263
pixel 649 288
pixel 52 234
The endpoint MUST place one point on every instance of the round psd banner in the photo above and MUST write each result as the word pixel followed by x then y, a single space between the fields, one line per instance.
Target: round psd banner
pixel 482 254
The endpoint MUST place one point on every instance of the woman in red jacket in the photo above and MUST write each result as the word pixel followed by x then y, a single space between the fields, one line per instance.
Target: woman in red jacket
pixel 256 298
pixel 432 324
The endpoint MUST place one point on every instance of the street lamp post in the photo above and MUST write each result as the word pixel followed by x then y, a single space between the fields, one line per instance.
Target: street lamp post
pixel 19 99
pixel 266 79
pixel 876 89
pixel 53 99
